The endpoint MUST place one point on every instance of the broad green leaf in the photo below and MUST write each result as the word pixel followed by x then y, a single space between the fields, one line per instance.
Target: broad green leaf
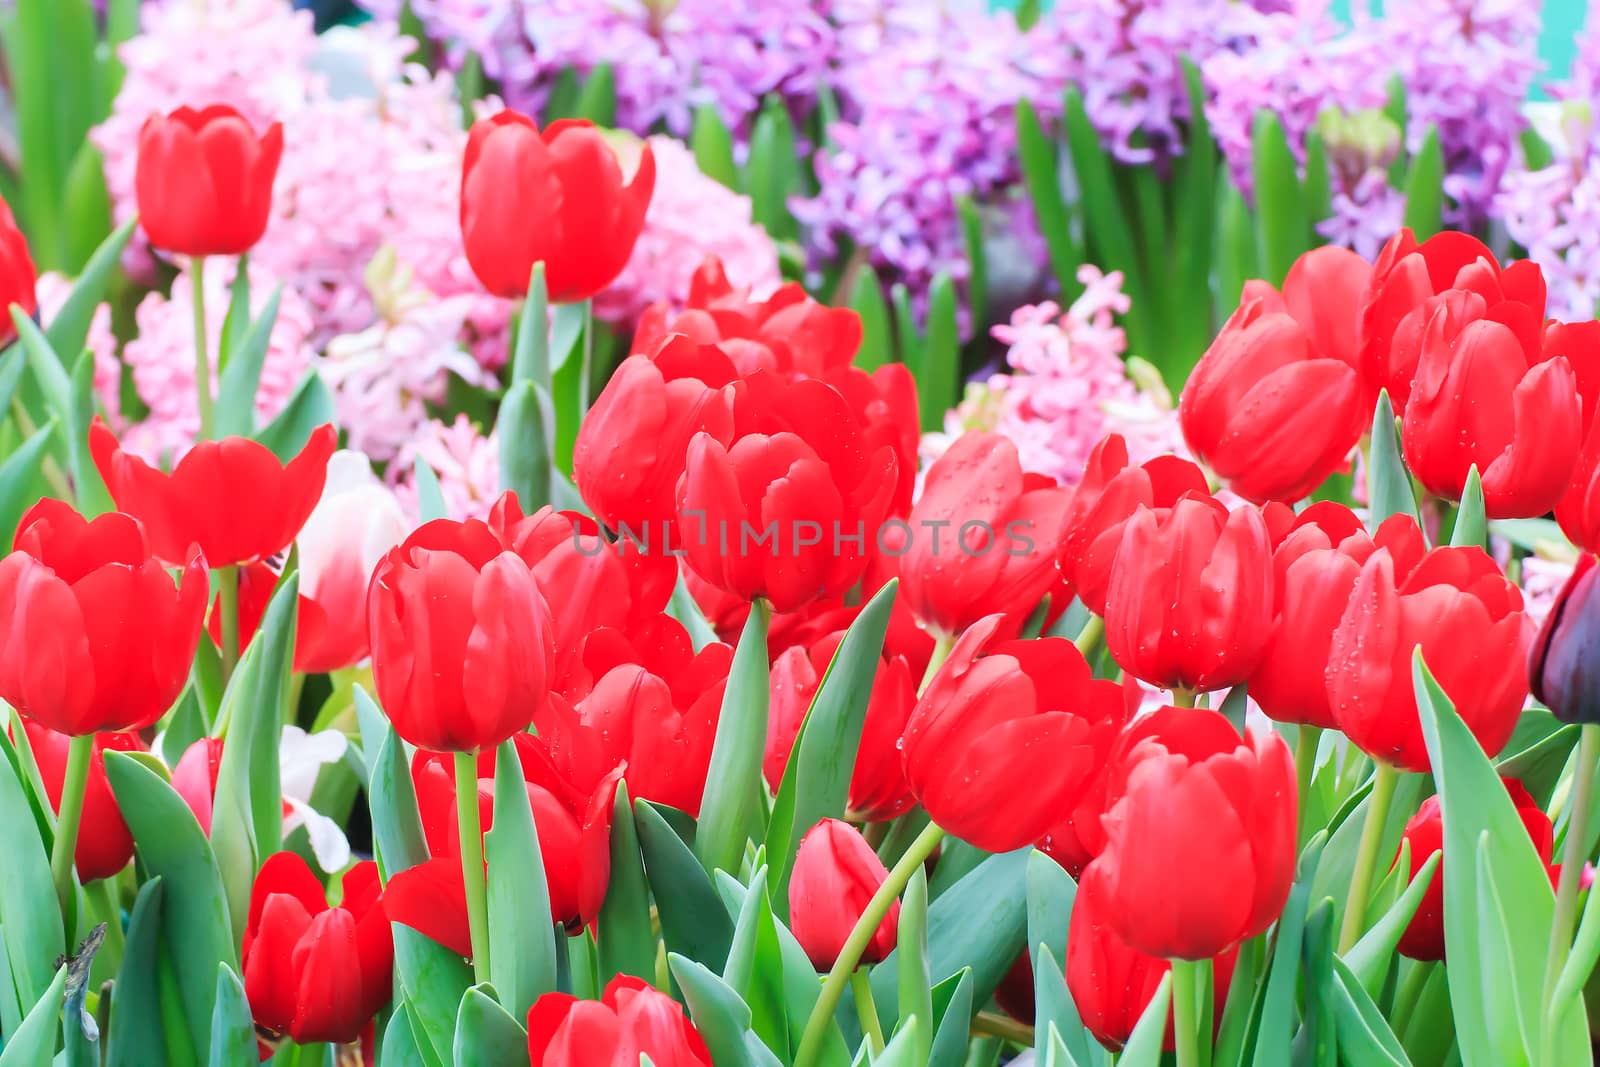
pixel 1471 528
pixel 135 1035
pixel 957 859
pixel 1276 1025
pixel 1054 1009
pixel 34 1043
pixel 1057 1054
pixel 522 957
pixel 1194 190
pixel 1364 1034
pixel 241 378
pixel 68 330
pixel 431 980
pixel 981 922
pixel 311 406
pixel 754 968
pixel 693 919
pixel 526 431
pixel 93 499
pixel 400 1047
pixel 1236 253
pixel 713 146
pixel 1388 482
pixel 816 783
pixel 770 176
pixel 905 1050
pixel 1281 224
pixel 733 780
pixel 1110 242
pixel 939 376
pixel 85 207
pixel 1238 1003
pixel 916 984
pixel 487 1035
pixel 530 356
pixel 1474 803
pixel 1424 188
pixel 50 375
pixel 1510 1014
pixel 195 926
pixel 430 494
pixel 597 100
pixel 233 1031
pixel 627 944
pixel 907 340
pixel 20 484
pixel 392 796
pixel 1318 187
pixel 977 266
pixel 30 915
pixel 237 320
pixel 1144 1044
pixel 877 336
pixel 1318 1037
pixel 718 1013
pixel 952 1003
pixel 1368 959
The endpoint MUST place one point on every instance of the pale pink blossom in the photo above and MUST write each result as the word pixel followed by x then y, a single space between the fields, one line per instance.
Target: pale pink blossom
pixel 466 462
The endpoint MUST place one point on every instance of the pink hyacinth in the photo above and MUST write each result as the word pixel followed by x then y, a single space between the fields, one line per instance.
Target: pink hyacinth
pixel 466 462
pixel 162 357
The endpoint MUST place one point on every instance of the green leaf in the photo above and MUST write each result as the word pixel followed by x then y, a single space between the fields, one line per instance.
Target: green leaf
pixel 754 968
pixel 1318 184
pixel 771 174
pixel 247 809
pixel 1474 803
pixel 392 796
pixel 693 920
pixel 30 915
pixel 530 356
pixel 719 1014
pixel 1471 527
pixel 908 340
pixel 34 1043
pixel 431 981
pixel 19 477
pixel 939 376
pixel 916 986
pixel 241 378
pixel 486 1034
pixel 1281 224
pixel 68 330
pixel 135 1036
pixel 86 207
pixel 50 375
pixel 627 944
pixel 1110 240
pixel 816 783
pixel 1236 248
pixel 1051 892
pixel 522 956
pixel 1194 203
pixel 400 1046
pixel 1388 482
pixel 1424 187
pixel 733 779
pixel 1057 1054
pixel 1277 1017
pixel 1055 1011
pixel 1364 1034
pixel 233 1030
pixel 1509 1015
pixel 93 499
pixel 526 431
pixel 194 907
pixel 237 320
pixel 877 338
pixel 980 922
pixel 80 1033
pixel 1536 151
pixel 1041 176
pixel 1318 1037
pixel 1368 959
pixel 713 146
pixel 1144 1044
pixel 597 100
pixel 952 1002
pixel 977 262
pixel 309 407
pixel 430 494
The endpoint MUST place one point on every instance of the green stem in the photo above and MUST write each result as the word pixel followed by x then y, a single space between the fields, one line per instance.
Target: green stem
pixel 1573 854
pixel 1193 1045
pixel 53 476
pixel 1384 779
pixel 67 820
pixel 1405 1000
pixel 202 362
pixel 228 609
pixel 1004 1027
pixel 472 872
pixel 941 652
pixel 850 955
pixel 866 1010
pixel 1305 765
pixel 1183 698
pixel 586 369
pixel 1089 638
pixel 313 1055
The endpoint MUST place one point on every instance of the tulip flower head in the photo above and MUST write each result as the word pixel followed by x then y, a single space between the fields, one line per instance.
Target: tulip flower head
pixel 204 180
pixel 629 1021
pixel 18 276
pixel 95 635
pixel 1579 509
pixel 1564 660
pixel 836 874
pixel 315 972
pixel 556 196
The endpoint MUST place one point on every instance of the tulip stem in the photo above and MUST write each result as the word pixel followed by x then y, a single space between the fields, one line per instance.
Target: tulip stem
pixel 1008 1029
pixel 1305 764
pixel 1574 852
pixel 202 362
pixel 866 1010
pixel 941 652
pixel 472 872
pixel 228 612
pixel 1183 698
pixel 1089 638
pixel 860 936
pixel 67 820
pixel 1193 1044
pixel 1384 780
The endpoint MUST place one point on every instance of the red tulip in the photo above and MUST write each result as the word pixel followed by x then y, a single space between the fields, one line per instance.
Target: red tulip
pixel 195 778
pixel 878 788
pixel 204 180
pixel 653 711
pixel 1411 283
pixel 1277 403
pixel 630 1021
pixel 790 509
pixel 1564 661
pixel 1103 501
pixel 573 819
pixel 1004 738
pixel 1190 602
pixel 1316 565
pixel 104 843
pixel 983 538
pixel 17 274
pixel 232 497
pixel 556 196
pixel 1467 619
pixel 1424 937
pixel 313 972
pixel 1579 509
pixel 601 585
pixel 1076 838
pixel 633 443
pixel 1480 398
pixel 461 638
pixel 835 875
pixel 1195 797
pixel 95 636
pixel 1112 983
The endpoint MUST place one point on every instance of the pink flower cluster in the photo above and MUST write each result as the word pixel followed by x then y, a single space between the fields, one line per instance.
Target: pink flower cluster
pixel 465 460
